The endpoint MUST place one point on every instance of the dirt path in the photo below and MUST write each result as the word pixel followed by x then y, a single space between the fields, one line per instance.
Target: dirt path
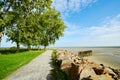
pixel 37 69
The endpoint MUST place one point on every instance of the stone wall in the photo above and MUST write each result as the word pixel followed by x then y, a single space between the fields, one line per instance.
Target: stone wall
pixel 85 53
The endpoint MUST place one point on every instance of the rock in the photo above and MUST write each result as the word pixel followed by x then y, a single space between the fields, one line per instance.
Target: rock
pixel 117 72
pixel 61 54
pixel 82 69
pixel 85 53
pixel 109 71
pixel 66 65
pixel 103 77
pixel 87 74
pixel 74 72
pixel 98 71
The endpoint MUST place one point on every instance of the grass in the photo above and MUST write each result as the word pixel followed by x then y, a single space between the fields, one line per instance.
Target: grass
pixel 10 62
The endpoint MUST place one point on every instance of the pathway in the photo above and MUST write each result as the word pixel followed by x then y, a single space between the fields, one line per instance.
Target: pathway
pixel 37 69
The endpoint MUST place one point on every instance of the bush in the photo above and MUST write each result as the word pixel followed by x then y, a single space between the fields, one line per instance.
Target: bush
pixel 13 48
pixel 57 73
pixel 54 55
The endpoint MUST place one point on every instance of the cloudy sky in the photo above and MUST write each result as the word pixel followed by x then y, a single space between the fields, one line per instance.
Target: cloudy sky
pixel 89 23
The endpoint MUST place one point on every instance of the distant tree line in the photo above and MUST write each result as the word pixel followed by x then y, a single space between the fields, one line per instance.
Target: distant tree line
pixel 30 22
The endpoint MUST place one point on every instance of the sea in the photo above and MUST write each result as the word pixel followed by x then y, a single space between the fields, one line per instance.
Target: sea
pixel 95 50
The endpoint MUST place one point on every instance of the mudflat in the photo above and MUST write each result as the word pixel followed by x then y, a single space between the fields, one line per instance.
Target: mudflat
pixel 109 56
pixel 107 60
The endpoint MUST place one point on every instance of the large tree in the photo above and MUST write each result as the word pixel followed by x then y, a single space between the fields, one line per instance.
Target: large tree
pixel 20 10
pixel 53 27
pixel 31 22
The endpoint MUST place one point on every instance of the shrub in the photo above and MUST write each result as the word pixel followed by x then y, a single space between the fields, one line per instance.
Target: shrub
pixel 56 72
pixel 13 48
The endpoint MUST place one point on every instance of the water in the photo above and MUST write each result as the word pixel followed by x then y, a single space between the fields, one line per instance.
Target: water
pixel 96 51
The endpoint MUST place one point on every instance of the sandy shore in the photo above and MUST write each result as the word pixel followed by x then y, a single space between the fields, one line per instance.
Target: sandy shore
pixel 107 60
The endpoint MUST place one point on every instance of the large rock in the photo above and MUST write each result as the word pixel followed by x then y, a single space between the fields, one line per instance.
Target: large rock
pixel 74 72
pixel 61 54
pixel 87 74
pixel 66 65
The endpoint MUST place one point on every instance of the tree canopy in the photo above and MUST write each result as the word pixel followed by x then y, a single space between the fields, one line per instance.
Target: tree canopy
pixel 30 22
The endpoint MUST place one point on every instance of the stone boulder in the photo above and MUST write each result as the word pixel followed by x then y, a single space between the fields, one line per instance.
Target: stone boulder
pixel 66 65
pixel 74 72
pixel 61 54
pixel 87 74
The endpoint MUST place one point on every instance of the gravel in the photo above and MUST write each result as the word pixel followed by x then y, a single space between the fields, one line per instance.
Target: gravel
pixel 37 69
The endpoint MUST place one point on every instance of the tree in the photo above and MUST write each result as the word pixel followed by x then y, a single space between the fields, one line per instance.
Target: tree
pixel 53 27
pixel 31 22
pixel 21 10
pixel 32 31
pixel 5 14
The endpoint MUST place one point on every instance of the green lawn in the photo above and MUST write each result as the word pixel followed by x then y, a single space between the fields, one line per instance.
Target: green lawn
pixel 11 62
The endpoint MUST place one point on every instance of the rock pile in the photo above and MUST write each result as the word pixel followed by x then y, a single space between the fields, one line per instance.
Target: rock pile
pixel 82 69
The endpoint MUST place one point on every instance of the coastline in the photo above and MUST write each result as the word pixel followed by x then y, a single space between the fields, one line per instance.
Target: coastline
pixel 98 66
pixel 107 60
pixel 109 56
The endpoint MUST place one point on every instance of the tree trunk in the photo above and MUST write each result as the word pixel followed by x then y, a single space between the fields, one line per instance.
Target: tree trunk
pixel 0 37
pixel 38 47
pixel 18 46
pixel 44 47
pixel 29 47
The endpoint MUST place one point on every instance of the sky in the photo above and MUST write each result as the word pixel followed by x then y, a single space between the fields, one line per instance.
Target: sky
pixel 89 23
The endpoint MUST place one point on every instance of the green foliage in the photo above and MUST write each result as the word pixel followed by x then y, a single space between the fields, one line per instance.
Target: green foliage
pixel 11 50
pixel 10 62
pixel 53 26
pixel 30 22
pixel 56 72
pixel 54 55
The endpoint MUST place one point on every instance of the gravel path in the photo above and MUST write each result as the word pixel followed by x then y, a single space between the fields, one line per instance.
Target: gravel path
pixel 37 69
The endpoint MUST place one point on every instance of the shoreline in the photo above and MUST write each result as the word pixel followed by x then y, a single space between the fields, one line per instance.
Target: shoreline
pixel 107 60
pixel 107 55
pixel 91 67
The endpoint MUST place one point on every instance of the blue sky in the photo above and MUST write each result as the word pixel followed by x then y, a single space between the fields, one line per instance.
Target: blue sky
pixel 90 23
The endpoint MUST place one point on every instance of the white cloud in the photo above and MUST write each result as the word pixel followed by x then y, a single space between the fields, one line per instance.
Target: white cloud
pixel 111 27
pixel 60 5
pixel 72 29
pixel 107 34
pixel 71 5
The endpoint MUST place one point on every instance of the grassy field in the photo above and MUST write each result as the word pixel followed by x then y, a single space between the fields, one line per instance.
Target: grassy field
pixel 11 62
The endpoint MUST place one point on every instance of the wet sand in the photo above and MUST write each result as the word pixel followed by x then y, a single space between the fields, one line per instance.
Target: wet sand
pixel 107 60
